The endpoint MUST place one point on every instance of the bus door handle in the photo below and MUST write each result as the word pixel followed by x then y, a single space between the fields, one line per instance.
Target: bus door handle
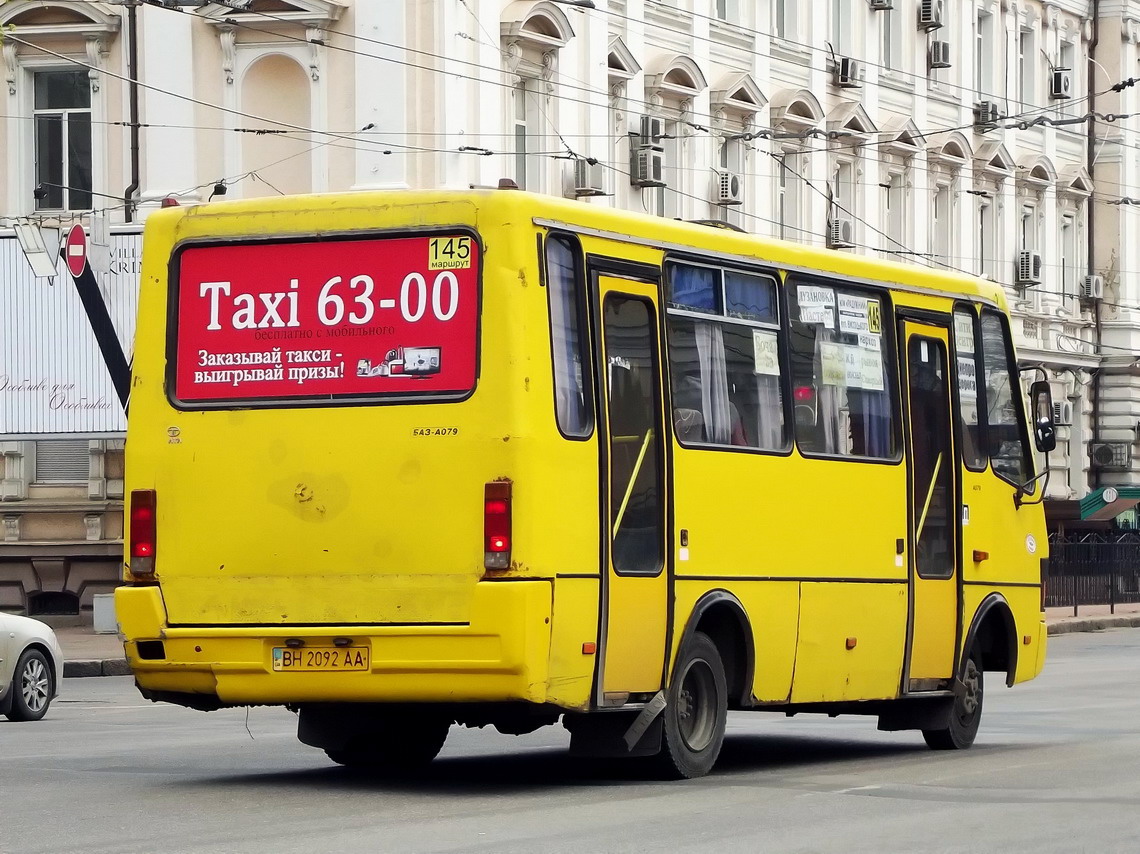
pixel 900 546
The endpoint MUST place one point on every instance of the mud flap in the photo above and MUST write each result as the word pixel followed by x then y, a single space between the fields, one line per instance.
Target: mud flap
pixel 614 734
pixel 917 714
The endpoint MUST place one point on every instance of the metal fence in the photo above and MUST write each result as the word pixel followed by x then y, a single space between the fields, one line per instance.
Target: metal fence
pixel 1094 569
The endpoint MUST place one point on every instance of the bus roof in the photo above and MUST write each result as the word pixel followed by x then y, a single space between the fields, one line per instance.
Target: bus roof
pixel 276 216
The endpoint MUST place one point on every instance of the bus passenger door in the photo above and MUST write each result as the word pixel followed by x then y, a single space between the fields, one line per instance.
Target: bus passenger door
pixel 932 474
pixel 634 493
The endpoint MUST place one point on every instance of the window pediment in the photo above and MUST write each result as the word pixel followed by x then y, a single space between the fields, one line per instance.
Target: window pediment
pixel 795 110
pixel 1037 171
pixel 1075 182
pixel 61 18
pixel 738 93
pixel 539 26
pixel 620 61
pixel 901 136
pixel 954 151
pixel 308 13
pixel 993 158
pixel 850 122
pixel 677 76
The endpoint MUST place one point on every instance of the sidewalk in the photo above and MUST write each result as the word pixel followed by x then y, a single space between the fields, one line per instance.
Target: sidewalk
pixel 89 654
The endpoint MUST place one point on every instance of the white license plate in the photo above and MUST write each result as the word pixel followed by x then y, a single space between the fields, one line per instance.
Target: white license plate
pixel 327 658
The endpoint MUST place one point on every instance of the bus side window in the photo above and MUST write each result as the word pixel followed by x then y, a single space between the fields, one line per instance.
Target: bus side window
pixel 841 371
pixel 572 395
pixel 970 401
pixel 1005 437
pixel 724 361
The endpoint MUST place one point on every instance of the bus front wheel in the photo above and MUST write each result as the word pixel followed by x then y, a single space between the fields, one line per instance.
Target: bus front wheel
pixel 695 712
pixel 401 742
pixel 966 713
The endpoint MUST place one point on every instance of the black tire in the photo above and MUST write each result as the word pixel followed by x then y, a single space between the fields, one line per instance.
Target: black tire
pixel 966 714
pixel 696 710
pixel 402 743
pixel 33 686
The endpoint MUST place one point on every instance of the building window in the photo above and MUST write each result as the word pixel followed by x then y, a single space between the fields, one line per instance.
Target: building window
pixel 784 19
pixel 1027 67
pixel 789 197
pixel 842 376
pixel 984 49
pixel 526 130
pixel 896 217
pixel 1028 227
pixel 891 45
pixel 942 226
pixel 1070 262
pixel 1068 61
pixel 62 116
pixel 987 237
pixel 724 358
pixel 728 10
pixel 63 461
pixel 842 25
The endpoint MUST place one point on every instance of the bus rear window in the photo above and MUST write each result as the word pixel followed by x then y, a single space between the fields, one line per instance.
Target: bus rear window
pixel 318 321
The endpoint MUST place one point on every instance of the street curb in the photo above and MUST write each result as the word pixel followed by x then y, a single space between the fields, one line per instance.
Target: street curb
pixel 96 667
pixel 1094 624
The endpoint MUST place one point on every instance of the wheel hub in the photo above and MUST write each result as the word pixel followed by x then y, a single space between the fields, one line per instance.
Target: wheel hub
pixel 34 686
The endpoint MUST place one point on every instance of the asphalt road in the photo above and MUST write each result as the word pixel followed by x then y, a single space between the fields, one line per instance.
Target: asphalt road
pixel 1056 768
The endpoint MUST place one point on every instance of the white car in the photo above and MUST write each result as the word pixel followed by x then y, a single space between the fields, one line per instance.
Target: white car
pixel 31 665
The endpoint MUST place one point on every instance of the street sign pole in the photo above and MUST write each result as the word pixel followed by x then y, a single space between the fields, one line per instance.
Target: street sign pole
pixel 75 254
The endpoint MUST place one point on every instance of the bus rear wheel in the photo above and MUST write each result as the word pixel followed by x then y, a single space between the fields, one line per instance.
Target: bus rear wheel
pixel 695 712
pixel 966 714
pixel 401 742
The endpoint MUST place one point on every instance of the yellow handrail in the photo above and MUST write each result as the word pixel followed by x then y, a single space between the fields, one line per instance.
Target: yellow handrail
pixel 632 480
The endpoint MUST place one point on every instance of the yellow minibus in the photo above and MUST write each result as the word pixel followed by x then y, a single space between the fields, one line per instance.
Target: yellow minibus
pixel 408 459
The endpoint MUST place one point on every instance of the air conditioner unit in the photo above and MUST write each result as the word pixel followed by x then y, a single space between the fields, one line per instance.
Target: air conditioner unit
pixel 1092 287
pixel 589 178
pixel 652 129
pixel 841 233
pixel 1061 85
pixel 986 113
pixel 940 55
pixel 1111 455
pixel 1028 267
pixel 647 167
pixel 882 5
pixel 1062 413
pixel 728 188
pixel 930 15
pixel 848 73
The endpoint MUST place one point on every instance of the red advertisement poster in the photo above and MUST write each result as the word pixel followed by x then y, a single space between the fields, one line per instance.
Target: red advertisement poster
pixel 320 319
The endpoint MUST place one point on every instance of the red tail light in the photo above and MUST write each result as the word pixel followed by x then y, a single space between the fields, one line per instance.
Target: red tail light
pixel 143 533
pixel 497 525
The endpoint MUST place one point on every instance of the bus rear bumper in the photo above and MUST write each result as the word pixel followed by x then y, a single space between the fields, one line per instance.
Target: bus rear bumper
pixel 501 655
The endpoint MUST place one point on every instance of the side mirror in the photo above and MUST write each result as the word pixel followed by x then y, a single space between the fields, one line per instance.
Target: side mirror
pixel 1041 407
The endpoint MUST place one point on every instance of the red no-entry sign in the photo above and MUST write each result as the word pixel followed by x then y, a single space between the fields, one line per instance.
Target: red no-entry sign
pixel 75 250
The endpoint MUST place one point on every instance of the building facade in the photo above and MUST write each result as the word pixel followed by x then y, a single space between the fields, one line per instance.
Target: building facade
pixel 998 137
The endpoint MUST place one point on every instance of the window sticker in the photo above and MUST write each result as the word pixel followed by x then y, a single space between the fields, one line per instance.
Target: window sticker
pixel 967 379
pixel 963 333
pixel 870 370
pixel 766 352
pixel 833 364
pixel 853 314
